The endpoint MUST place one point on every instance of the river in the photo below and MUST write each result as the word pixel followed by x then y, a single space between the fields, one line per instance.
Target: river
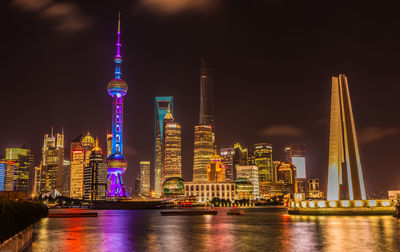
pixel 257 230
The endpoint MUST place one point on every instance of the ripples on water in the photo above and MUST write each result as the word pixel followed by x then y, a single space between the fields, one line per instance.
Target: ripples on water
pixel 257 230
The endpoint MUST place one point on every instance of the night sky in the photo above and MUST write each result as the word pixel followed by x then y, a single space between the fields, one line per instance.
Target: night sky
pixel 272 62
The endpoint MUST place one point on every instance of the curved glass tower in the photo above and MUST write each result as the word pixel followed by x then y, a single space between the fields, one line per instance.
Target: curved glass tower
pixel 116 163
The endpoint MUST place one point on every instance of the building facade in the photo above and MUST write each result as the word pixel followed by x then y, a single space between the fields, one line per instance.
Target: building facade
pixel 24 166
pixel 251 173
pixel 286 175
pixel 344 158
pixel 145 187
pixel 228 158
pixel 204 140
pixel 172 148
pixel 263 160
pixel 207 191
pixel 216 170
pixel 162 105
pixel 296 154
pixel 52 164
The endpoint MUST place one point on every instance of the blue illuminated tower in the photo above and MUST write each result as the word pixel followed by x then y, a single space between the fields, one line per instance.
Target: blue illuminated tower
pixel 117 89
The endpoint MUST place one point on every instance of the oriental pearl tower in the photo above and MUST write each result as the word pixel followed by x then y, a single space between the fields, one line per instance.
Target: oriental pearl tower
pixel 116 163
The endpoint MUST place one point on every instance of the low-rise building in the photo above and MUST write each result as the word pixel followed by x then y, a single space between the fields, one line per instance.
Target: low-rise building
pixel 207 191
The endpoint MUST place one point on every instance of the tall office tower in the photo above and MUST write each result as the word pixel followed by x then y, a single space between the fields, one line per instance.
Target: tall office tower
pixel 117 164
pixel 3 167
pixel 263 159
pixel 145 178
pixel 296 154
pixel 206 95
pixel 172 148
pixel 36 181
pixel 80 158
pixel 67 176
pixel 344 157
pixel 242 155
pixel 227 155
pixel 24 165
pixel 249 172
pixel 52 163
pixel 204 140
pixel 313 189
pixel 109 144
pixel 10 175
pixel 216 170
pixel 95 176
pixel 162 105
pixel 286 174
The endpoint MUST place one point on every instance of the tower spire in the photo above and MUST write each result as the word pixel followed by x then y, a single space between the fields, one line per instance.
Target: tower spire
pixel 118 57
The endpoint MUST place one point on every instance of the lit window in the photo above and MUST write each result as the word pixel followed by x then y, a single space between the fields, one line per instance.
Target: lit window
pixel 385 203
pixel 372 203
pixel 332 203
pixel 297 204
pixel 303 204
pixel 311 204
pixel 358 203
pixel 321 203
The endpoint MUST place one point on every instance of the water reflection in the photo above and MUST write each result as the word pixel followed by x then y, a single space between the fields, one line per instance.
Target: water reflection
pixel 257 230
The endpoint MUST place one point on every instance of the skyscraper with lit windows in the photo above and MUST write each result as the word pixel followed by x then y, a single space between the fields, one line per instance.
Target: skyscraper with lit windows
pixel 204 140
pixel 52 163
pixel 145 186
pixel 172 148
pixel 162 105
pixel 24 165
pixel 263 159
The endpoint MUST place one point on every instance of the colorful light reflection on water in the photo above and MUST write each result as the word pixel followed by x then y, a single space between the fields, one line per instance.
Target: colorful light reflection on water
pixel 257 230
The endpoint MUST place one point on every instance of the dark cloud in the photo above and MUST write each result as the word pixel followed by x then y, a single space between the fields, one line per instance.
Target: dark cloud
pixel 282 130
pixel 370 134
pixel 170 7
pixel 67 16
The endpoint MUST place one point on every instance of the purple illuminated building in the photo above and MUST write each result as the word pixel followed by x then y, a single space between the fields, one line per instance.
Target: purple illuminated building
pixel 117 89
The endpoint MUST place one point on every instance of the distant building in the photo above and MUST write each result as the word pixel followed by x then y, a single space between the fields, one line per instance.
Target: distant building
pixel 36 181
pixel 313 189
pixel 263 159
pixel 394 194
pixel 162 105
pixel 80 159
pixel 216 170
pixel 52 164
pixel 172 148
pixel 286 174
pixel 66 176
pixel 244 189
pixel 3 168
pixel 296 154
pixel 173 187
pixel 228 155
pixel 95 176
pixel 206 116
pixel 109 144
pixel 24 165
pixel 10 176
pixel 207 191
pixel 136 186
pixel 145 178
pixel 270 189
pixel 251 173
pixel 204 140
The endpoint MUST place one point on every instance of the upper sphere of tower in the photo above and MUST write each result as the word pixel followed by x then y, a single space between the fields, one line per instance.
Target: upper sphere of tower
pixel 88 141
pixel 117 87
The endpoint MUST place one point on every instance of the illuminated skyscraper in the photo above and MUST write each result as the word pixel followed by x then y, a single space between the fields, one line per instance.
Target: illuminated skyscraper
pixel 117 164
pixel 145 178
pixel 263 159
pixel 206 95
pixel 344 158
pixel 286 173
pixel 109 144
pixel 80 158
pixel 24 165
pixel 172 148
pixel 52 164
pixel 249 172
pixel 216 170
pixel 9 174
pixel 296 154
pixel 228 155
pixel 162 105
pixel 95 176
pixel 203 151
pixel 3 168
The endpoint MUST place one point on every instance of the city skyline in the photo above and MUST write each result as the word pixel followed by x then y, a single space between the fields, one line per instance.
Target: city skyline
pixel 315 87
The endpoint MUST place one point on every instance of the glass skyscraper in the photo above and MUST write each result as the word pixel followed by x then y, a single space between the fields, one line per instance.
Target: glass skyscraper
pixel 162 104
pixel 24 166
pixel 145 178
pixel 263 159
